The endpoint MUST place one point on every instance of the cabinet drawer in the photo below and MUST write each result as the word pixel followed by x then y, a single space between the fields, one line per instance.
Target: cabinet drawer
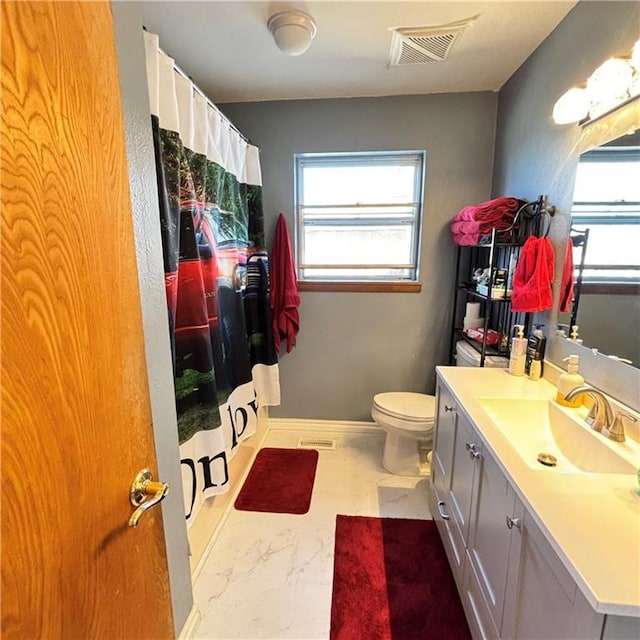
pixel 475 606
pixel 449 534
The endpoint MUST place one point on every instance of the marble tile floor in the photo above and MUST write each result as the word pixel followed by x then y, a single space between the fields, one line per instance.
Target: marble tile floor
pixel 269 575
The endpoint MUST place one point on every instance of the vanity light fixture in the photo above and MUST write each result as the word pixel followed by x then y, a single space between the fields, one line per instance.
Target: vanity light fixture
pixel 613 83
pixel 292 31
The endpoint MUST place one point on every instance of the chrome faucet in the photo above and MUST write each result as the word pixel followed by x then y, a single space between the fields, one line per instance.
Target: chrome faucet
pixel 601 417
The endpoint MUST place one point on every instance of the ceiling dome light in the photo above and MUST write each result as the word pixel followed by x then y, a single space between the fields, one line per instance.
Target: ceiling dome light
pixel 572 106
pixel 292 31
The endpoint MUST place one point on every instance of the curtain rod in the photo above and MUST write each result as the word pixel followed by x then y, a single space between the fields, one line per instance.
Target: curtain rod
pixel 204 95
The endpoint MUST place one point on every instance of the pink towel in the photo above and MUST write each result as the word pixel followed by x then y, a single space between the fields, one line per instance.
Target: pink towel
pixel 482 218
pixel 284 300
pixel 533 277
pixel 467 239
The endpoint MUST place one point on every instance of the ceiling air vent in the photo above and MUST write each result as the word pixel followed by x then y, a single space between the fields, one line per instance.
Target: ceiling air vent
pixel 420 45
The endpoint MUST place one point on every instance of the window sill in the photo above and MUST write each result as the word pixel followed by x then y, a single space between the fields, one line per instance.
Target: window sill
pixel 596 288
pixel 361 287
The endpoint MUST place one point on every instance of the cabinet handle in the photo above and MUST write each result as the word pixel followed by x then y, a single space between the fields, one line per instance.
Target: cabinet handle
pixel 471 448
pixel 513 522
pixel 443 515
pixel 447 408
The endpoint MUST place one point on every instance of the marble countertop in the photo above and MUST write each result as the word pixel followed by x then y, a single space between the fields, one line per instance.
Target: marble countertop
pixel 591 520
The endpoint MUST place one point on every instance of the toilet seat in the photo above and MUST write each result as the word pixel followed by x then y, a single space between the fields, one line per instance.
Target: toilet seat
pixel 405 410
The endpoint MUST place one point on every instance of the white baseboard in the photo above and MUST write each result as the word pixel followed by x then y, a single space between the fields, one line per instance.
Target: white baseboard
pixel 298 424
pixel 191 624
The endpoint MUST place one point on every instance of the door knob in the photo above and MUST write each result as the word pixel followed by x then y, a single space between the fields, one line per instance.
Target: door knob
pixel 144 494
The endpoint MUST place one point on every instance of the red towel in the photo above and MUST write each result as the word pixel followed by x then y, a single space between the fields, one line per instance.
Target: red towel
pixel 566 286
pixel 284 289
pixel 533 278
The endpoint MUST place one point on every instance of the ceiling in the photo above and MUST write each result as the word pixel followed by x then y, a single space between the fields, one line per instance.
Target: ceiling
pixel 229 52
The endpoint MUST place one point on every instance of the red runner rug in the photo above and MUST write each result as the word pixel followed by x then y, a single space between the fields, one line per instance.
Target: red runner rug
pixel 279 481
pixel 392 581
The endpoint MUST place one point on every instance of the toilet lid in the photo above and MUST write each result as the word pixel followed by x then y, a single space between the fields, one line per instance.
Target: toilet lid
pixel 405 405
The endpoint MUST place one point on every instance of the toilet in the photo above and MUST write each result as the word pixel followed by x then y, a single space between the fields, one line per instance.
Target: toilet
pixel 408 420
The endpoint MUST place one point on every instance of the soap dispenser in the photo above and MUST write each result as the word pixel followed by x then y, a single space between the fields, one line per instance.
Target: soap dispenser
pixel 518 352
pixel 570 380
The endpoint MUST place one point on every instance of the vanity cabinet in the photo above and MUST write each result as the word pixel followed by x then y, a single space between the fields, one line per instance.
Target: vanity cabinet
pixel 511 582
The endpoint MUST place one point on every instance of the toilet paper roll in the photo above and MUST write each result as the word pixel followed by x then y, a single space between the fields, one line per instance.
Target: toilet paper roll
pixel 472 311
pixel 472 323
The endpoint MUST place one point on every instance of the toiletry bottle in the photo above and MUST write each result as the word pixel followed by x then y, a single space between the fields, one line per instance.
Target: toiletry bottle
pixel 535 370
pixel 568 381
pixel 518 352
pixel 535 352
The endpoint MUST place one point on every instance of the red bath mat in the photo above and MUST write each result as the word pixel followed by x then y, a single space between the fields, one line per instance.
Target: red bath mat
pixel 392 581
pixel 279 481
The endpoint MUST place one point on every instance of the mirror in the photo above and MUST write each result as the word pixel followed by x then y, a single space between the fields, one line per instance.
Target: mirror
pixel 605 228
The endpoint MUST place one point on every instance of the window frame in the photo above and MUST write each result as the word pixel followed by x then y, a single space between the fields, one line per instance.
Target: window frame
pixel 594 214
pixel 415 158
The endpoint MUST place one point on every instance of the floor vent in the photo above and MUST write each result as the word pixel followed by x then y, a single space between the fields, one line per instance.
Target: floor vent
pixel 316 443
pixel 421 45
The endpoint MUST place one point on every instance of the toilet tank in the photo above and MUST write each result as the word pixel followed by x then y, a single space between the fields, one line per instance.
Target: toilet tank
pixel 467 356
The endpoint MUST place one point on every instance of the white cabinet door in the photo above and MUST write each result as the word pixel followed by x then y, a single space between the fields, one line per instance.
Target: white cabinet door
pixel 467 452
pixel 495 517
pixel 441 468
pixel 543 599
pixel 445 435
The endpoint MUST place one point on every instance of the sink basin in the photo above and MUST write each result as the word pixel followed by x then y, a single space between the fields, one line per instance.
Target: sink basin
pixel 541 426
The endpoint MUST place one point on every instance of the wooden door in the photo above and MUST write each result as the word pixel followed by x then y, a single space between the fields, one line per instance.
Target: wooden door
pixel 76 421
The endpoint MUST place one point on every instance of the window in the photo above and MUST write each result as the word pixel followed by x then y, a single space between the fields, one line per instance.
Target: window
pixel 358 216
pixel 607 202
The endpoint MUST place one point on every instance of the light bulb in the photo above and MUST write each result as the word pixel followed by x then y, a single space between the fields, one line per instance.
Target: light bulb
pixel 572 106
pixel 608 86
pixel 609 81
pixel 635 57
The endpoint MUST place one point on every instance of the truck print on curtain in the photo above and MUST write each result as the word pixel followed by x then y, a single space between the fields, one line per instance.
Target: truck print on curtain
pixel 216 277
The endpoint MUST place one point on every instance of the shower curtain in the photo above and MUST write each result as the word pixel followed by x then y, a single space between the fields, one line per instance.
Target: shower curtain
pixel 216 277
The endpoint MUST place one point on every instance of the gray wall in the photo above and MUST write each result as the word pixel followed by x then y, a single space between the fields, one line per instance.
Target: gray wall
pixel 535 156
pixel 354 345
pixel 595 320
pixel 144 201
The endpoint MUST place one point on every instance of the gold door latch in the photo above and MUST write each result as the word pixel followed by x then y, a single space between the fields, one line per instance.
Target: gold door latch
pixel 142 488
